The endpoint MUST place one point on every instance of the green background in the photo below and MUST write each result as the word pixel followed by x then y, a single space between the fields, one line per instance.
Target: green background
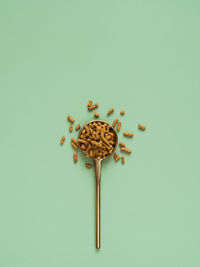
pixel 141 56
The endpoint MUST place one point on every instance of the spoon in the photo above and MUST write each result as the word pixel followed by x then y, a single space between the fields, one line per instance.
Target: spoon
pixel 97 163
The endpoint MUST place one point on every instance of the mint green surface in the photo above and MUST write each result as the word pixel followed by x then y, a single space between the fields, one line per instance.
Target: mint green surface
pixel 141 56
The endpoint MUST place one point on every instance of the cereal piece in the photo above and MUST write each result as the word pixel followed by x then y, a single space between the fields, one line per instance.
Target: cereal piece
pixel 62 140
pixel 93 107
pixel 82 141
pixel 74 145
pixel 71 119
pixel 98 144
pixel 77 127
pixel 115 122
pixel 127 150
pixel 110 111
pixel 122 112
pixel 116 156
pixel 70 128
pixel 128 134
pixel 119 126
pixel 122 160
pixel 96 115
pixel 89 103
pixel 74 141
pixel 83 147
pixel 121 144
pixel 104 139
pixel 141 127
pixel 88 165
pixel 75 158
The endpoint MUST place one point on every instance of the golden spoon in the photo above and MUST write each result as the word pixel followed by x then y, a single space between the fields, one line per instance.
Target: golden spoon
pixel 97 163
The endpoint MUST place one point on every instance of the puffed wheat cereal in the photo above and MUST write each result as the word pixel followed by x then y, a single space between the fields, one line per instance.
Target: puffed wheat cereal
pixel 116 156
pixel 121 144
pixel 128 134
pixel 75 158
pixel 93 107
pixel 71 119
pixel 89 103
pixel 78 127
pixel 96 115
pixel 115 122
pixel 62 140
pixel 119 126
pixel 141 127
pixel 110 111
pixel 88 165
pixel 127 150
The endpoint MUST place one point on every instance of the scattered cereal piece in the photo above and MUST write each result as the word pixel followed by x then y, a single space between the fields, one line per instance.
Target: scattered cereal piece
pixel 89 103
pixel 119 126
pixel 75 158
pixel 71 119
pixel 88 165
pixel 110 111
pixel 74 141
pixel 93 107
pixel 122 112
pixel 127 150
pixel 141 127
pixel 116 156
pixel 78 127
pixel 96 115
pixel 121 144
pixel 74 145
pixel 62 140
pixel 115 122
pixel 70 128
pixel 128 134
pixel 123 160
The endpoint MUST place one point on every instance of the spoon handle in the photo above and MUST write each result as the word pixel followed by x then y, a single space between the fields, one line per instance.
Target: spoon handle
pixel 98 179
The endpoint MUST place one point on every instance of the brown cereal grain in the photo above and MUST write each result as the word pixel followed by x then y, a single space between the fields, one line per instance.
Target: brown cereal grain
pixel 127 150
pixel 96 115
pixel 123 160
pixel 122 112
pixel 116 156
pixel 121 144
pixel 89 103
pixel 115 122
pixel 110 111
pixel 70 119
pixel 128 134
pixel 74 141
pixel 141 127
pixel 62 140
pixel 70 128
pixel 119 126
pixel 93 107
pixel 88 165
pixel 74 145
pixel 75 158
pixel 78 126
